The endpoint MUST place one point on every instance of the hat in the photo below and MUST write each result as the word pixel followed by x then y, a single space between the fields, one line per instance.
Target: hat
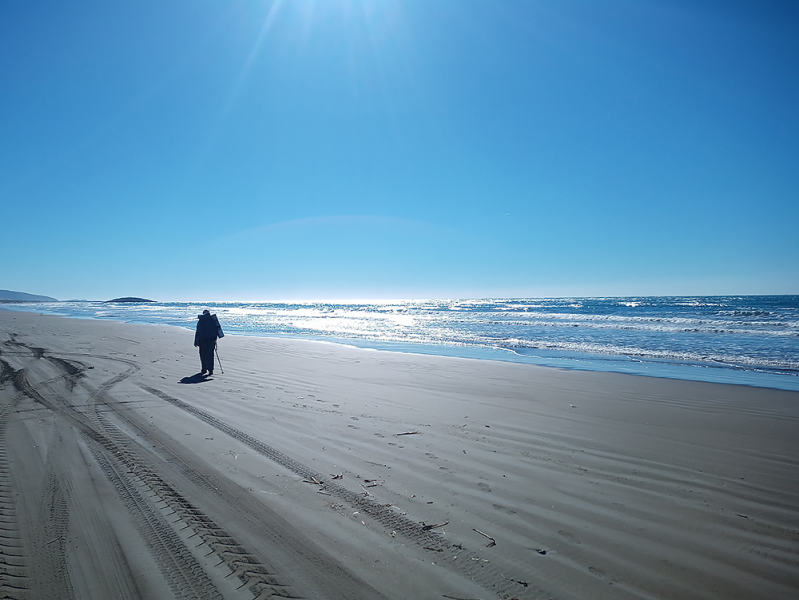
pixel 206 312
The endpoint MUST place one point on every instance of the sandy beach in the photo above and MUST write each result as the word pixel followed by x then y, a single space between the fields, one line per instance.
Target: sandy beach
pixel 313 470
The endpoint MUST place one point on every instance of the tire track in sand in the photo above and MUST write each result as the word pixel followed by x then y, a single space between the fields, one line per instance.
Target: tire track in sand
pixel 49 551
pixel 141 490
pixel 455 556
pixel 13 563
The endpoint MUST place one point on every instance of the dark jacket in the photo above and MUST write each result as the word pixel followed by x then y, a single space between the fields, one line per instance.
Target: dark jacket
pixel 206 330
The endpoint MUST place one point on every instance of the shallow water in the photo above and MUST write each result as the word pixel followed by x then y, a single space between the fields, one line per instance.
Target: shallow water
pixel 752 340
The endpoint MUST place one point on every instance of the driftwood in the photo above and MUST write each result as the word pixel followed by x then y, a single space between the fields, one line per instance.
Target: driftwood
pixel 493 541
pixel 519 581
pixel 408 433
pixel 429 527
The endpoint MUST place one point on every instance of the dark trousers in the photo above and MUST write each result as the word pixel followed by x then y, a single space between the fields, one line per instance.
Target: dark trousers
pixel 207 355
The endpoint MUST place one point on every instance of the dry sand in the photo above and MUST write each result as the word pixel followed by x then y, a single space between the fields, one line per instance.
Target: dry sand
pixel 310 470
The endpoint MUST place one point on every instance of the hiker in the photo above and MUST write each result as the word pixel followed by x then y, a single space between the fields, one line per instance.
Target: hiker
pixel 208 330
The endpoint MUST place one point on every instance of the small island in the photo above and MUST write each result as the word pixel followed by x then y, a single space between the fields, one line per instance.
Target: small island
pixel 130 299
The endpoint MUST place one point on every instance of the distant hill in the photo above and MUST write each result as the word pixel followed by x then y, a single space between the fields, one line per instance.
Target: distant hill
pixel 130 299
pixel 8 295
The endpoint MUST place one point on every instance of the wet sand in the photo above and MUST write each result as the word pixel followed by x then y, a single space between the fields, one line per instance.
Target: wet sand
pixel 311 470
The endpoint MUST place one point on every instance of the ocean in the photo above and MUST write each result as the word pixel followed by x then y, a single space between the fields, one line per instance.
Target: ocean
pixel 749 340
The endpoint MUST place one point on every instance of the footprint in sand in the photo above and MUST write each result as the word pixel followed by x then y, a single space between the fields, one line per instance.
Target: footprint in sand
pixel 569 536
pixel 484 487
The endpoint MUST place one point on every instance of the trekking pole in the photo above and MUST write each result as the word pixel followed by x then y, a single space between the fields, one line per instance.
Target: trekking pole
pixel 220 362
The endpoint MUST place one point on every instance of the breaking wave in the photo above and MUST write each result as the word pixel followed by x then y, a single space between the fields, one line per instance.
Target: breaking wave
pixel 744 334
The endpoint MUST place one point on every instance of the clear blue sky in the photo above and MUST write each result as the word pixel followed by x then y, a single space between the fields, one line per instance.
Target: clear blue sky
pixel 244 150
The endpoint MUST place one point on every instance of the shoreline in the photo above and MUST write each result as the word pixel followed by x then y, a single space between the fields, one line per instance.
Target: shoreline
pixel 339 472
pixel 558 359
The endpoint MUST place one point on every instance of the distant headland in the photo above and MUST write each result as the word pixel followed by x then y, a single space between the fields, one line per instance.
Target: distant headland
pixel 9 296
pixel 130 299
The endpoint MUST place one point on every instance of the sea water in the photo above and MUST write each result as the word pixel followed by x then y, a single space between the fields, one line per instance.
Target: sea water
pixel 752 340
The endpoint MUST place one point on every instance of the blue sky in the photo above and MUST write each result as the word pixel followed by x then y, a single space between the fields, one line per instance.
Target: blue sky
pixel 341 149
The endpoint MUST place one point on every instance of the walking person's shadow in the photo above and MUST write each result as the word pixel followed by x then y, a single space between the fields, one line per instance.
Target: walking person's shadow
pixel 196 378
